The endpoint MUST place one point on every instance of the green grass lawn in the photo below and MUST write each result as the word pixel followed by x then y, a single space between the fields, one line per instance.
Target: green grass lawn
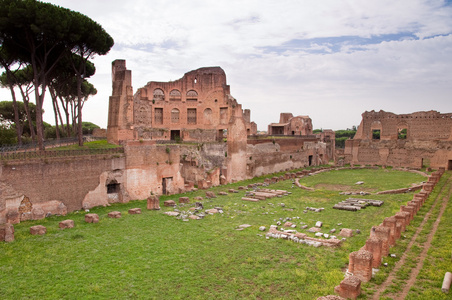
pixel 101 144
pixel 154 256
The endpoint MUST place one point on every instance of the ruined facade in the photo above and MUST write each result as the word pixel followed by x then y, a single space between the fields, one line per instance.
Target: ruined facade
pixel 420 139
pixel 290 125
pixel 197 107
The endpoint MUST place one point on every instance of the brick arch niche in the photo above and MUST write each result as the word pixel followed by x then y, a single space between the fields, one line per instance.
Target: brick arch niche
pixel 208 116
pixel 192 95
pixel 159 95
pixel 175 95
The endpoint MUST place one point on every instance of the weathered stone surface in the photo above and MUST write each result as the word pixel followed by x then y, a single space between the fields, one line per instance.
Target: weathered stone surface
pixel 212 211
pixel 250 199
pixel 114 214
pixel 184 200
pixel 169 203
pixel 66 224
pixel 92 218
pixel 38 230
pixel 318 224
pixel 346 232
pixel 360 265
pixel 38 213
pixel 199 198
pixel 374 245
pixel 7 232
pixel 331 297
pixel 194 217
pixel 135 211
pixel 210 194
pixel 349 288
pixel 314 229
pixel 288 224
pixel 13 217
pixel 153 202
pixel 172 213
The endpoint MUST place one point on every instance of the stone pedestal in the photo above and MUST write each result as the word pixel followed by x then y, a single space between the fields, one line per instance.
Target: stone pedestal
pixel 114 214
pixel 402 218
pixel 349 288
pixel 153 202
pixel 134 211
pixel 91 218
pixel 390 223
pixel 360 265
pixel 66 224
pixel 374 246
pixel 38 230
pixel 6 232
pixel 382 233
pixel 408 209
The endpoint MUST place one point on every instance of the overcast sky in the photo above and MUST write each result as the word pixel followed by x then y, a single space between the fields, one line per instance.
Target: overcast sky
pixel 331 60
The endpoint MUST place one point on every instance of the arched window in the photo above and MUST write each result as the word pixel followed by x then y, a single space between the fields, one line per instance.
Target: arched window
pixel 159 94
pixel 175 116
pixel 175 95
pixel 192 95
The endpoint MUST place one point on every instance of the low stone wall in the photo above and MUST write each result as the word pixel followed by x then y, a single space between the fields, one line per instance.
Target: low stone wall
pixel 381 238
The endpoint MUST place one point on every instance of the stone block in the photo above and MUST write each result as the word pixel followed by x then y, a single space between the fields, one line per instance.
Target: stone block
pixel 134 211
pixel 349 288
pixel 92 218
pixel 66 224
pixel 408 209
pixel 7 232
pixel 184 200
pixel 360 265
pixel 288 224
pixel 210 194
pixel 38 230
pixel 153 202
pixel 169 203
pixel 330 297
pixel 13 217
pixel 346 232
pixel 114 214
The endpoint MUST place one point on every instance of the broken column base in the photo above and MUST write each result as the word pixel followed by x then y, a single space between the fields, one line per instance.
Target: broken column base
pixel 349 288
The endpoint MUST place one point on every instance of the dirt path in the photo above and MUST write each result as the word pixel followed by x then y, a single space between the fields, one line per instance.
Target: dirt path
pixel 426 246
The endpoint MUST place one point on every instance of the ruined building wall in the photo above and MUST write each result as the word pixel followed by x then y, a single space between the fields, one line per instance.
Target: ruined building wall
pixel 407 140
pixel 57 185
pixel 197 107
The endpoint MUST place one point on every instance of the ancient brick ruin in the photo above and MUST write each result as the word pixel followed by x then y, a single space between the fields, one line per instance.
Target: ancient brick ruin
pixel 420 139
pixel 197 107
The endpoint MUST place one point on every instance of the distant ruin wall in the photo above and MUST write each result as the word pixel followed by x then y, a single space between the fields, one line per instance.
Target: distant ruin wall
pixel 421 139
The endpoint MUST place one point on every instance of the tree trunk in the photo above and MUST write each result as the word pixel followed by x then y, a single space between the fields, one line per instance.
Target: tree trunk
pixel 79 110
pixel 25 98
pixel 16 116
pixel 54 101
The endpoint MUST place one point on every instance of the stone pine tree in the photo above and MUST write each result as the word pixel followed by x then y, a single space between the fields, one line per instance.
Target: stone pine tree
pixel 41 34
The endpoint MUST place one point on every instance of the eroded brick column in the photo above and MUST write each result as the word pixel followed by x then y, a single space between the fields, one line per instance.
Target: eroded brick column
pixel 360 264
pixel 390 223
pixel 349 288
pixel 382 233
pixel 401 218
pixel 374 245
pixel 153 202
pixel 428 187
pixel 7 232
pixel 408 209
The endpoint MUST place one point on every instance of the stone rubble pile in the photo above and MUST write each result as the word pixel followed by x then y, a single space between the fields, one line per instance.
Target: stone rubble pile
pixel 354 204
pixel 263 194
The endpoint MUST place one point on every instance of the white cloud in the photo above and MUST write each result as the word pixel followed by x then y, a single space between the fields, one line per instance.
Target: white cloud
pixel 359 55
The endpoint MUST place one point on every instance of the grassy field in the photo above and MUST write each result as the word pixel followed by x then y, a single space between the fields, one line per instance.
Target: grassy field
pixel 154 256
